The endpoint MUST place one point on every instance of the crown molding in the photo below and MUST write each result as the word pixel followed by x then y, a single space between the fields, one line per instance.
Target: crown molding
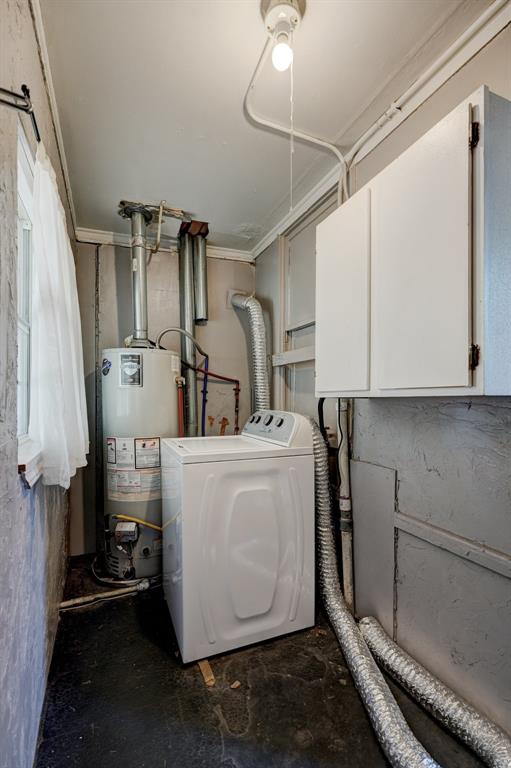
pixel 123 239
pixel 230 254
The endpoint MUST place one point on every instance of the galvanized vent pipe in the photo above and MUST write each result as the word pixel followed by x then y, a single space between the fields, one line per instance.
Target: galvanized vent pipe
pixel 140 217
pixel 187 317
pixel 480 734
pixel 200 278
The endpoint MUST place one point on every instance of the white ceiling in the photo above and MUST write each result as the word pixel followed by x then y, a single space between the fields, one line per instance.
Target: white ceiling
pixel 150 95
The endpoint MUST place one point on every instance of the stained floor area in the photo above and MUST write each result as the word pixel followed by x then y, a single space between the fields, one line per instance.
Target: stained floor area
pixel 118 695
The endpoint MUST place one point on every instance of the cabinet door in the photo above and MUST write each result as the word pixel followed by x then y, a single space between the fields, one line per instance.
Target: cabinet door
pixel 421 261
pixel 342 297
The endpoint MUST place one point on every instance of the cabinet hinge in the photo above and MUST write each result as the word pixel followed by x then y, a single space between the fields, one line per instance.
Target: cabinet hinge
pixel 473 356
pixel 474 135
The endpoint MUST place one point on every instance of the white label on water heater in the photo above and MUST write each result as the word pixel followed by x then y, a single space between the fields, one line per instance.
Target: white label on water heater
pixel 111 451
pixel 124 452
pixel 133 484
pixel 147 452
pixel 133 468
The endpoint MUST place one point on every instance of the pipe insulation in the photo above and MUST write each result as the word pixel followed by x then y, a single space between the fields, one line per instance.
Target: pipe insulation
pixel 252 307
pixel 483 736
pixel 396 739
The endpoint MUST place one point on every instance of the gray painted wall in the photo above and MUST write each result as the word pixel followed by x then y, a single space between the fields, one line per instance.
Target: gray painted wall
pixel 432 484
pixel 223 337
pixel 33 524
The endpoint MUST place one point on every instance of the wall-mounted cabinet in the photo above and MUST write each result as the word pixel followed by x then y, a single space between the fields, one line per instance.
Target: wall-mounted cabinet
pixel 413 272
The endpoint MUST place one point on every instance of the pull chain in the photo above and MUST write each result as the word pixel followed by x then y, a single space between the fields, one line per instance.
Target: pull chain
pixel 292 125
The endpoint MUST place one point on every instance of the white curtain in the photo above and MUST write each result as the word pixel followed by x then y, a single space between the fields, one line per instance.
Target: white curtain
pixel 58 416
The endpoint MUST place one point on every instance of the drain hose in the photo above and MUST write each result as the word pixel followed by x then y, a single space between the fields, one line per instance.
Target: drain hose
pixel 485 738
pixel 396 739
pixel 258 347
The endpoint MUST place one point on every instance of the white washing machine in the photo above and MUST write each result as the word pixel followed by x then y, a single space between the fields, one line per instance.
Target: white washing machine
pixel 238 534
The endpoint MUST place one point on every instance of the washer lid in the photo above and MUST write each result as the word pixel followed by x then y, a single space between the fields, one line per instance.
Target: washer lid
pixel 192 450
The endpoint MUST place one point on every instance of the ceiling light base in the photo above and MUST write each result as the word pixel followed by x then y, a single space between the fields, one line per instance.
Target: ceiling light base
pixel 278 12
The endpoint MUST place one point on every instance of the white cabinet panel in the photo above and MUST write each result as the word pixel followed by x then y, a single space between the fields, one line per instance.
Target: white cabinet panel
pixel 405 289
pixel 421 261
pixel 342 297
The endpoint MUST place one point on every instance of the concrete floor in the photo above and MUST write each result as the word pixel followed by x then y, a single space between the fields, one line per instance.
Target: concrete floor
pixel 119 696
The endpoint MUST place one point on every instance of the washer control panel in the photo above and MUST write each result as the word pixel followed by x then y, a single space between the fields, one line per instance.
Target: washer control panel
pixel 276 426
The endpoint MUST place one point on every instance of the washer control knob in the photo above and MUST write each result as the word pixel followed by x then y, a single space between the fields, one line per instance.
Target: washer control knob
pixel 268 419
pixel 279 422
pixel 257 419
pixel 252 418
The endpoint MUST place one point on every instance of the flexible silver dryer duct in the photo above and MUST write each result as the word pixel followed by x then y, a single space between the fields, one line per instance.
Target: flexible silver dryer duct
pixel 258 345
pixel 396 739
pixel 480 734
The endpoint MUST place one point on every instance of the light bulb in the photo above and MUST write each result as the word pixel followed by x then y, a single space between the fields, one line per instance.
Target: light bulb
pixel 282 56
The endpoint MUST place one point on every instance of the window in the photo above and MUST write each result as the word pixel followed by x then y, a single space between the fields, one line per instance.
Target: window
pixel 25 186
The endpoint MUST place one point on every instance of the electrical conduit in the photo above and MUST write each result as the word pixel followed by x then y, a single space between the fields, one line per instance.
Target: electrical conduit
pixel 249 110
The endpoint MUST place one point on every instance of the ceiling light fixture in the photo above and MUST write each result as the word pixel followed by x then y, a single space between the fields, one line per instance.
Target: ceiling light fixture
pixel 281 19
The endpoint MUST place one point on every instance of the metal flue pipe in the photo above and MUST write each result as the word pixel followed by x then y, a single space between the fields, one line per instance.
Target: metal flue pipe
pixel 200 277
pixel 139 278
pixel 187 315
pixel 140 216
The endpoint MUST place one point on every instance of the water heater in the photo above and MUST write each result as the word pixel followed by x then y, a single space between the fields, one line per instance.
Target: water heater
pixel 139 405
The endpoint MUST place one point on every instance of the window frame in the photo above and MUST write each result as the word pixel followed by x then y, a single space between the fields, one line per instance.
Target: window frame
pixel 29 456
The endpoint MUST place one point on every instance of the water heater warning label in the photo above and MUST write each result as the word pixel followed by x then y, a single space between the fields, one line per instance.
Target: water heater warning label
pixel 147 452
pixel 125 452
pixel 133 485
pixel 111 453
pixel 133 468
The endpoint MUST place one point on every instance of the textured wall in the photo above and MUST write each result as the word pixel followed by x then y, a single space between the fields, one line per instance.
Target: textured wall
pixel 223 337
pixel 447 571
pixel 33 523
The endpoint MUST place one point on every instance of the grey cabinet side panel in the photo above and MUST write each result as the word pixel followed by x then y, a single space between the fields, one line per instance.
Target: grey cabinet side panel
pixel 374 491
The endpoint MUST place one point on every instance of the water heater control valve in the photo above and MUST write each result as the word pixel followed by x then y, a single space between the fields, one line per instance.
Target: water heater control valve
pixel 126 532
